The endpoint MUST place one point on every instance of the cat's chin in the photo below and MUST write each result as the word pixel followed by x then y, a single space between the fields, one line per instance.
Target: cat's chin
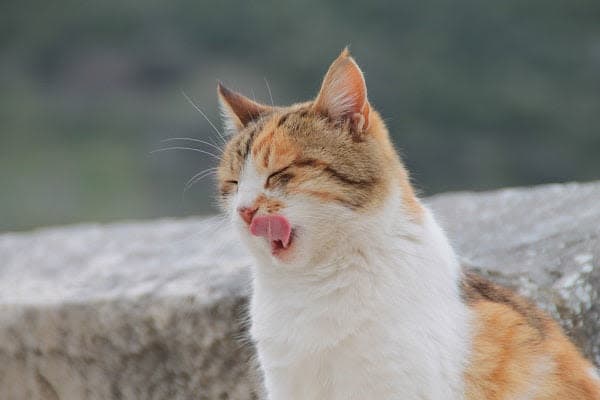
pixel 271 251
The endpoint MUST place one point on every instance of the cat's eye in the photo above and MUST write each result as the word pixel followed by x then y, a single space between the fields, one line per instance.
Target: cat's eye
pixel 280 175
pixel 227 188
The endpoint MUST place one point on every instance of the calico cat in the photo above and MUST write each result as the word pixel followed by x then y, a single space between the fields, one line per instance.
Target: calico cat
pixel 356 291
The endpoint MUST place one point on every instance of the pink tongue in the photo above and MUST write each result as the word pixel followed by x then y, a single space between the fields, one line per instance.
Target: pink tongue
pixel 272 227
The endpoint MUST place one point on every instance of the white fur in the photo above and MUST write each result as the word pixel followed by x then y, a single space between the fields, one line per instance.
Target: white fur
pixel 367 306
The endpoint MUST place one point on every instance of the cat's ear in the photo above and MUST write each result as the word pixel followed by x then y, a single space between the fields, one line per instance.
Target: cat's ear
pixel 237 110
pixel 343 94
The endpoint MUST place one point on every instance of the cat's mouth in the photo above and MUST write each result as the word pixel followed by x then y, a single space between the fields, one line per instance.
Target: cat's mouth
pixel 279 246
pixel 276 229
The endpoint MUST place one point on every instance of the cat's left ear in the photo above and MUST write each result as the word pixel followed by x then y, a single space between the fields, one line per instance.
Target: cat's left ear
pixel 237 110
pixel 343 94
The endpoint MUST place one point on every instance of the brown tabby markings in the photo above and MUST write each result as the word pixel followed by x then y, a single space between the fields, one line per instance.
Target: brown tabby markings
pixel 291 147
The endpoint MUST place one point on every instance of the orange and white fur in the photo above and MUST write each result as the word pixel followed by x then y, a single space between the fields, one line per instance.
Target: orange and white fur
pixel 356 292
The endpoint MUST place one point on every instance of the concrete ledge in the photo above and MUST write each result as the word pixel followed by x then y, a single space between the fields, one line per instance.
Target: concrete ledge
pixel 155 310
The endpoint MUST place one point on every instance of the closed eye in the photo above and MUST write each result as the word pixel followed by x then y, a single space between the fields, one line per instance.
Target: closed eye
pixel 283 177
pixel 228 187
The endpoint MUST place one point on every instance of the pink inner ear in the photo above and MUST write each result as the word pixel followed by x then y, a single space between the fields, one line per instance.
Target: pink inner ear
pixel 272 227
pixel 344 93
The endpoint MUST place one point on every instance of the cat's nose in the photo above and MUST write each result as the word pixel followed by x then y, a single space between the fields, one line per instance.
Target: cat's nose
pixel 247 213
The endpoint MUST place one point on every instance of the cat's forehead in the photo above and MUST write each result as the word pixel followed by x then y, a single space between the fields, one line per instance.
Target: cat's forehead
pixel 279 137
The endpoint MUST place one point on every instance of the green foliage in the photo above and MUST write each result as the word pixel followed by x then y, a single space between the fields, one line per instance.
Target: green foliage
pixel 477 94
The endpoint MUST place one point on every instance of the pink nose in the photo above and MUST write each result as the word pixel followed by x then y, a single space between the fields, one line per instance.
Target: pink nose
pixel 247 213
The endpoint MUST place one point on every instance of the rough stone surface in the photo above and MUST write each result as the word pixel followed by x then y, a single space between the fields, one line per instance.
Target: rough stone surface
pixel 156 310
pixel 150 310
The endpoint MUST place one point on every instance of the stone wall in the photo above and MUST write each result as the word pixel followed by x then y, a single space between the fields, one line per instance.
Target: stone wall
pixel 156 310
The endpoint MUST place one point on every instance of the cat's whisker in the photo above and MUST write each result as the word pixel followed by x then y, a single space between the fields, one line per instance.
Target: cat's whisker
pixel 186 148
pixel 269 90
pixel 212 140
pixel 195 140
pixel 198 177
pixel 204 115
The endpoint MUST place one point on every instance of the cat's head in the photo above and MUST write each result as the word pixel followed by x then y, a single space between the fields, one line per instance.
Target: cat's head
pixel 298 181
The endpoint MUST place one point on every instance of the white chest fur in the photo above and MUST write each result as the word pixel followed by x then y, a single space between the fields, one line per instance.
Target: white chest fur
pixel 382 319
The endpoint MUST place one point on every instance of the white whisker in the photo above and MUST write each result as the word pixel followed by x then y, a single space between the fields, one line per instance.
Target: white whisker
pixel 195 140
pixel 204 115
pixel 187 148
pixel 269 90
pixel 198 177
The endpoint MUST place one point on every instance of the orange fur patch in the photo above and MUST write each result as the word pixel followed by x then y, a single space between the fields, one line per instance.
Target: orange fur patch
pixel 520 353
pixel 411 202
pixel 272 148
pixel 267 204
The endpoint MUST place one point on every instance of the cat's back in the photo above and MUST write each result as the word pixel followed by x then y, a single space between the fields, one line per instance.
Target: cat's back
pixel 518 352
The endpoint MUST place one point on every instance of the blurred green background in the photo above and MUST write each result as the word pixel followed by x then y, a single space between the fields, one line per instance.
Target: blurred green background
pixel 477 94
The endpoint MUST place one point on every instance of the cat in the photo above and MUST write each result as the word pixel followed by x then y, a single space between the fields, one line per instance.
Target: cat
pixel 357 293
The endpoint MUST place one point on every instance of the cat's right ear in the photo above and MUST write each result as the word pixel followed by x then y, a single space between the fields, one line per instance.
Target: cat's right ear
pixel 237 110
